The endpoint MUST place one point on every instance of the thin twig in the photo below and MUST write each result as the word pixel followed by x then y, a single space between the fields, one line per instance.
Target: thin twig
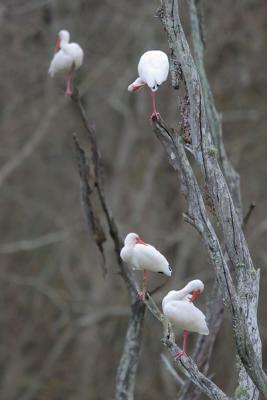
pixel 41 241
pixel 248 214
pixel 172 371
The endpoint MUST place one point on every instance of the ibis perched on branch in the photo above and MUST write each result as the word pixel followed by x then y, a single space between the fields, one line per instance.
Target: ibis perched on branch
pixel 67 58
pixel 153 69
pixel 178 307
pixel 142 256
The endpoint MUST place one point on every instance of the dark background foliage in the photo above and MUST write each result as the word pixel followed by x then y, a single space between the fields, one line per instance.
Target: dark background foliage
pixel 61 324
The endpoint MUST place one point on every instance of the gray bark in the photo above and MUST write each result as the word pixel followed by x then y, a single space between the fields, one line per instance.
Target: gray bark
pixel 197 216
pixel 126 373
pixel 204 344
pixel 185 364
pixel 92 183
pixel 202 147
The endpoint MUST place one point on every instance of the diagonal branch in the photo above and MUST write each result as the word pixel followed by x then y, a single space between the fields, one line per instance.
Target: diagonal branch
pixel 185 364
pixel 126 373
pixel 213 117
pixel 197 216
pixel 95 167
pixel 201 145
pixel 204 345
pixel 92 182
pixel 90 211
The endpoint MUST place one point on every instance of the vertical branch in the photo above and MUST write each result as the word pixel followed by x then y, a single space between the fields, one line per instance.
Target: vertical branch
pixel 214 120
pixel 90 212
pixel 203 150
pixel 205 344
pixel 126 372
pixel 197 216
pixel 246 386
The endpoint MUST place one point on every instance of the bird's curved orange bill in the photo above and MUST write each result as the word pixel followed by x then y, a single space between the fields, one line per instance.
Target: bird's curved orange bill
pixel 57 46
pixel 137 86
pixel 140 241
pixel 194 295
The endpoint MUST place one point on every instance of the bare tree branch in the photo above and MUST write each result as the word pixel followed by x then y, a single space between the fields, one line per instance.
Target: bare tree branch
pixel 197 216
pixel 29 147
pixel 55 353
pixel 94 164
pixel 105 313
pixel 173 372
pixel 201 143
pixel 41 241
pixel 204 345
pixel 248 214
pixel 213 118
pixel 203 383
pixel 126 373
pixel 185 364
pixel 90 211
pixel 93 182
pixel 215 313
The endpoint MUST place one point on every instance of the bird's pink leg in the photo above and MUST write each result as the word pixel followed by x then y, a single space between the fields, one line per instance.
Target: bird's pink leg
pixel 155 115
pixel 141 295
pixel 68 91
pixel 182 353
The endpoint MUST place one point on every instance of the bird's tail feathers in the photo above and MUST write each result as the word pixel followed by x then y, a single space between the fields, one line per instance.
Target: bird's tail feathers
pixel 205 331
pixel 51 72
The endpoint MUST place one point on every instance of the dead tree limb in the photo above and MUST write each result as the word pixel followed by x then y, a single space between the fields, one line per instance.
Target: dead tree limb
pixel 204 345
pixel 212 115
pixel 185 364
pixel 90 211
pixel 197 216
pixel 126 373
pixel 202 146
pixel 92 182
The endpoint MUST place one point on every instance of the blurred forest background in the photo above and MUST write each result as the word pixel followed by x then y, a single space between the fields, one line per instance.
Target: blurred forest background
pixel 62 325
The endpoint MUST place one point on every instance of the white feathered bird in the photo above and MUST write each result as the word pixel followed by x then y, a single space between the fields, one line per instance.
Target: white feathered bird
pixel 153 69
pixel 142 256
pixel 68 57
pixel 178 306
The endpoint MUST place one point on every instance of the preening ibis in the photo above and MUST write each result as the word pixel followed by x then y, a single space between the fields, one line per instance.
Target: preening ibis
pixel 67 57
pixel 178 306
pixel 153 69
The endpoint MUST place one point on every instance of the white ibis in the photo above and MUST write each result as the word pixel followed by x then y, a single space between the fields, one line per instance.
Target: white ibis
pixel 67 57
pixel 142 256
pixel 153 69
pixel 178 306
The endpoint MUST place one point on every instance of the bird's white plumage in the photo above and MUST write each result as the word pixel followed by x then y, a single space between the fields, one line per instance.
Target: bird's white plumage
pixel 69 56
pixel 153 70
pixel 143 256
pixel 182 313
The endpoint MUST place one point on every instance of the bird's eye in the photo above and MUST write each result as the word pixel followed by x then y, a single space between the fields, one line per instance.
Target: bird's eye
pixel 170 268
pixel 154 87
